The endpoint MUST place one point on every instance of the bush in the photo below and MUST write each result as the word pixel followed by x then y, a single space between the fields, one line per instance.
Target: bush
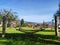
pixel 42 29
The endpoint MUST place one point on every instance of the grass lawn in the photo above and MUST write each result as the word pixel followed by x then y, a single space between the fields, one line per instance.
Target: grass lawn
pixel 15 37
pixel 29 28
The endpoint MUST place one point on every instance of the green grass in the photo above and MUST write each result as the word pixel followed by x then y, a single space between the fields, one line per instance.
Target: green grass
pixel 10 30
pixel 29 28
pixel 15 37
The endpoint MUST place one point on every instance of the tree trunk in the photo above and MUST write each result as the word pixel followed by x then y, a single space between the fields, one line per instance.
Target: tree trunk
pixel 3 27
pixel 56 26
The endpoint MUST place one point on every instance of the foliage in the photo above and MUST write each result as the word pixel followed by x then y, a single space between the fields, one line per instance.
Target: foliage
pixel 29 25
pixel 44 25
pixel 22 23
pixel 10 16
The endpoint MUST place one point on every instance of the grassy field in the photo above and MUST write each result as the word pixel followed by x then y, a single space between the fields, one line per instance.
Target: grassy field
pixel 16 37
pixel 29 28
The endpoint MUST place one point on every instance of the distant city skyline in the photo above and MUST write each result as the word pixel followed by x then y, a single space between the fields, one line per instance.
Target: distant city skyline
pixel 32 10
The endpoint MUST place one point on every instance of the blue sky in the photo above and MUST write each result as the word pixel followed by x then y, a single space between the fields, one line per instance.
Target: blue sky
pixel 32 10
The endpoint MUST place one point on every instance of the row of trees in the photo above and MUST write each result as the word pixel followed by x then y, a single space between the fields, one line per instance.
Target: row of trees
pixel 43 25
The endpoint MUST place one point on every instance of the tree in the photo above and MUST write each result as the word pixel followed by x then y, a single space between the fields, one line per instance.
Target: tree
pixel 22 22
pixel 44 25
pixel 10 16
pixel 56 26
pixel 6 16
pixel 4 26
pixel 57 18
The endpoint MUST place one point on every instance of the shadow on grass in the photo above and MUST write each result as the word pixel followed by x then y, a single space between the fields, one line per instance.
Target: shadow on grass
pixel 15 38
pixel 31 31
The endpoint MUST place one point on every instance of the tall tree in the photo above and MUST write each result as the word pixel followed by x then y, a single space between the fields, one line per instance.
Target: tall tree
pixel 56 26
pixel 10 16
pixel 44 25
pixel 22 22
pixel 4 26
pixel 57 20
pixel 6 15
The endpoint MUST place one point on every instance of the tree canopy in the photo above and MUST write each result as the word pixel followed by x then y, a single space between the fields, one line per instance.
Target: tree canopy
pixel 11 16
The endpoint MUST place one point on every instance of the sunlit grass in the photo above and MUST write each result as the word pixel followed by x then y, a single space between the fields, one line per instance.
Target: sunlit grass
pixel 45 33
pixel 11 30
pixel 16 37
pixel 29 28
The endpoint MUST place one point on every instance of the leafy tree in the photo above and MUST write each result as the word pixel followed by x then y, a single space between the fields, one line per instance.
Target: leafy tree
pixel 56 16
pixel 45 25
pixel 22 22
pixel 5 16
pixel 10 16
